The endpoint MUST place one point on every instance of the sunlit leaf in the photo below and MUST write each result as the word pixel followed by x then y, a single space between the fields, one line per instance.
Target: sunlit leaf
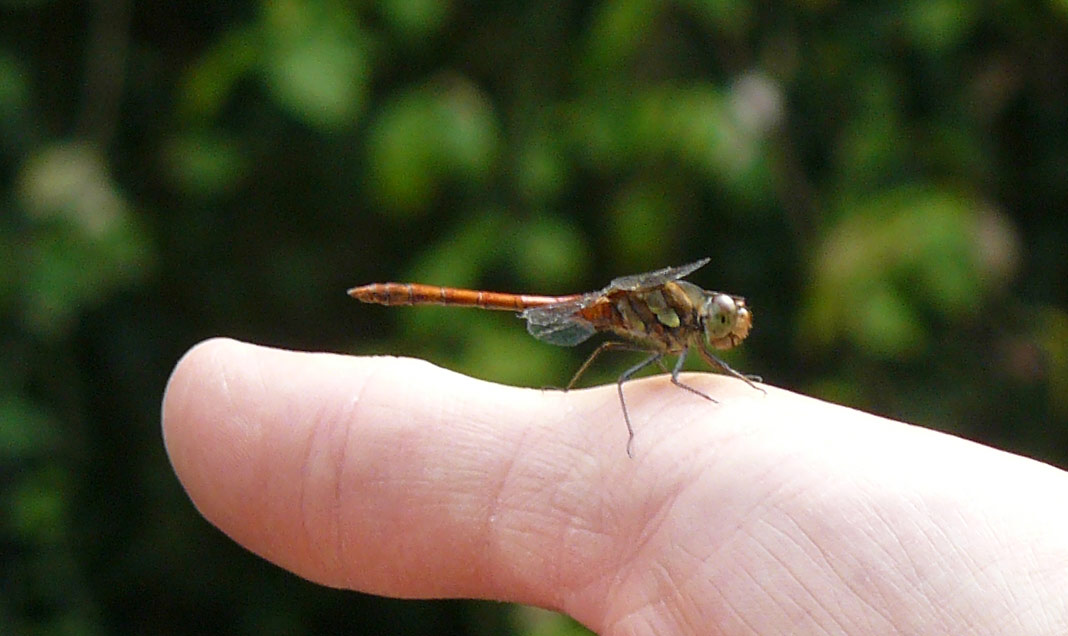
pixel 208 84
pixel 204 163
pixel 618 30
pixel 316 64
pixel 84 240
pixel 643 221
pixel 26 430
pixel 15 91
pixel 906 253
pixel 427 137
pixel 936 25
pixel 723 16
pixel 551 252
pixel 541 168
pixel 415 20
pixel 38 506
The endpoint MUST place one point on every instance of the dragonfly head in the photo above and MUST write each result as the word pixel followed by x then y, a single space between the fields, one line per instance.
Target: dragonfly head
pixel 726 320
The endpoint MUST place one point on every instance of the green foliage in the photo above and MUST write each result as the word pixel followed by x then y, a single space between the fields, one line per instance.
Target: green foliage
pixel 314 61
pixel 903 254
pixel 426 138
pixel 885 183
pixel 312 57
pixel 81 241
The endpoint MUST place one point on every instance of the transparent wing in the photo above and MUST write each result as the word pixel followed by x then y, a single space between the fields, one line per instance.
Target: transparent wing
pixel 565 334
pixel 560 324
pixel 653 279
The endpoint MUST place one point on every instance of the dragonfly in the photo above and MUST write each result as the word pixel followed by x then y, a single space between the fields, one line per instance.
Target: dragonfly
pixel 656 313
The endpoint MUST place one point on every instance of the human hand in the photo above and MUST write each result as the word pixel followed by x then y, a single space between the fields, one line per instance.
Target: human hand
pixel 763 514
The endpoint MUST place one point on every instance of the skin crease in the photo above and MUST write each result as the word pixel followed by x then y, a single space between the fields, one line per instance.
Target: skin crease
pixel 762 514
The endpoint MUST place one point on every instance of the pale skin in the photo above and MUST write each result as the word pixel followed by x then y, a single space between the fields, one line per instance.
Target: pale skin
pixel 763 514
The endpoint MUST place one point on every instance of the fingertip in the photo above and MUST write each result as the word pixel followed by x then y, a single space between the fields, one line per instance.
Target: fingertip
pixel 207 433
pixel 353 472
pixel 185 382
pixel 189 371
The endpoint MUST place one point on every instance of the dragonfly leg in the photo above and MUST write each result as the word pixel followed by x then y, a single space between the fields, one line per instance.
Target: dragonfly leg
pixel 605 346
pixel 628 374
pixel 675 377
pixel 714 361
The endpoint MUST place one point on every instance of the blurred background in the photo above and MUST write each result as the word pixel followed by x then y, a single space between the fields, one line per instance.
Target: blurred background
pixel 886 182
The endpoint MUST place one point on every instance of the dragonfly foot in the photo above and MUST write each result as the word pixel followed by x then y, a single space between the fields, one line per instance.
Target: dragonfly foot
pixel 750 379
pixel 689 388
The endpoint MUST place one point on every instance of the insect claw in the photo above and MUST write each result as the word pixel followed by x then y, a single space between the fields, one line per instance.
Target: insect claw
pixel 751 379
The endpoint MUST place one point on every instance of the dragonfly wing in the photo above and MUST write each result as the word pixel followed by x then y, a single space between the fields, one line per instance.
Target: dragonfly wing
pixel 654 279
pixel 560 324
pixel 564 334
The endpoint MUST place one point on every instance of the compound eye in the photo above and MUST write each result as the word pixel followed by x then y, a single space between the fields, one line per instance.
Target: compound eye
pixel 743 316
pixel 721 312
pixel 724 306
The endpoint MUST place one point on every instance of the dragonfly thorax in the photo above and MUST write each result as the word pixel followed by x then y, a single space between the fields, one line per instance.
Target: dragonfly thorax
pixel 726 320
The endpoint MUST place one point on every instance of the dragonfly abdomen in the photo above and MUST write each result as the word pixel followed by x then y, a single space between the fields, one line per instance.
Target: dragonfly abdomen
pixel 390 294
